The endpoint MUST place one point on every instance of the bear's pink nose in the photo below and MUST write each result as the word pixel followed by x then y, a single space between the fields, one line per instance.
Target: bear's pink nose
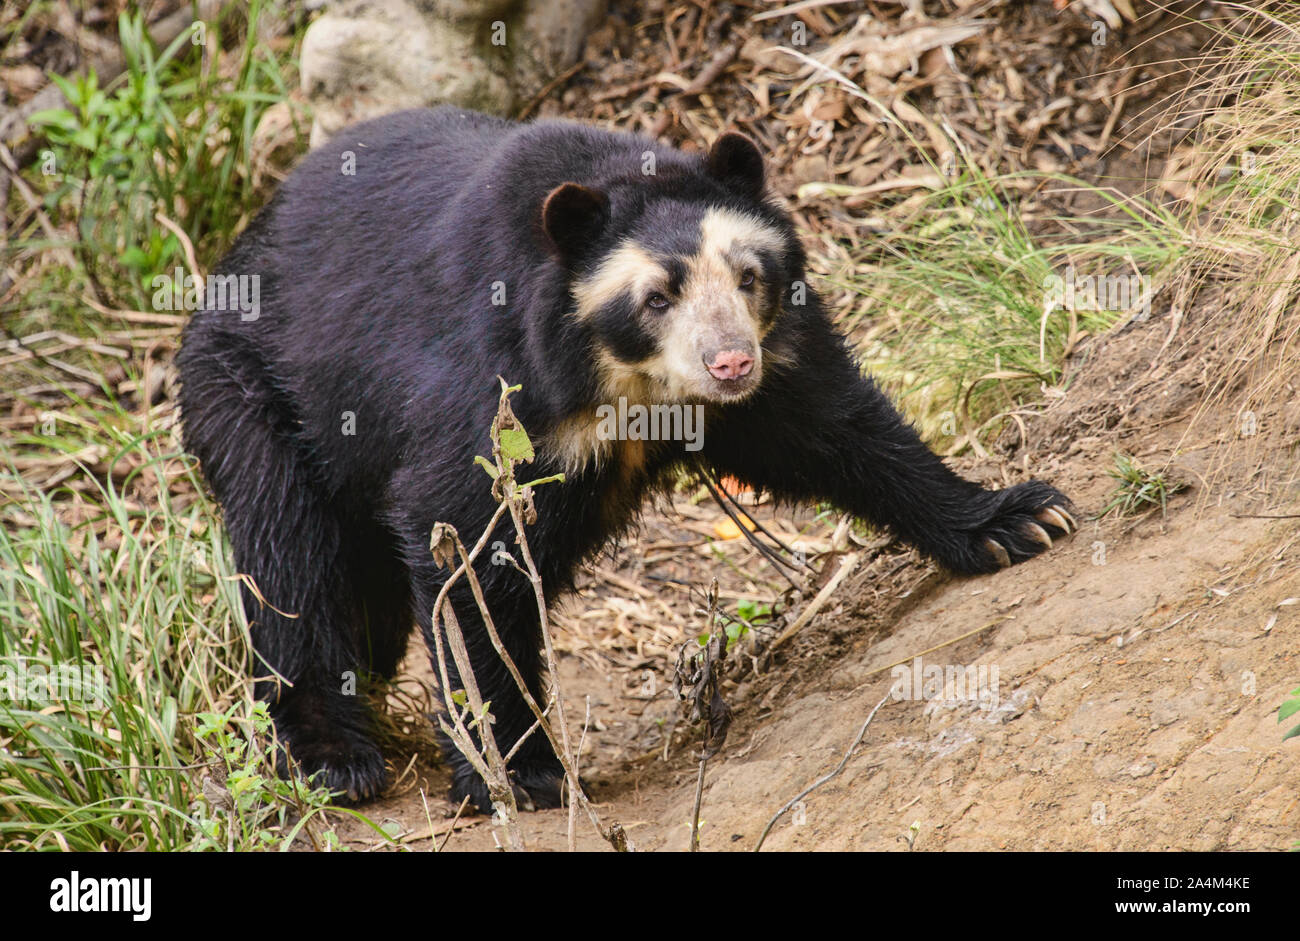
pixel 731 364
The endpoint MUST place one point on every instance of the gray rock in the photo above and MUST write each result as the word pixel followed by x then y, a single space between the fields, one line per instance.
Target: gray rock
pixel 364 58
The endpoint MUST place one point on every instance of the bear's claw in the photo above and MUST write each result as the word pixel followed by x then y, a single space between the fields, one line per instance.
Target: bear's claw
pixel 1010 527
pixel 1059 517
pixel 999 553
pixel 1040 534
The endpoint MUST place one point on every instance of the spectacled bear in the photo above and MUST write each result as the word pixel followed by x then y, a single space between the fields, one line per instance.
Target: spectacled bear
pixel 341 422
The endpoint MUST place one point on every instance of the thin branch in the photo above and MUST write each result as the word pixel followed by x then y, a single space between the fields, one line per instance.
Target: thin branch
pixel 515 499
pixel 820 781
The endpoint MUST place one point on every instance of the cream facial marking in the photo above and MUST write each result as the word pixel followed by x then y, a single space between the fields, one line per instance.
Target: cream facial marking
pixel 706 340
pixel 734 237
pixel 712 345
pixel 723 228
pixel 629 268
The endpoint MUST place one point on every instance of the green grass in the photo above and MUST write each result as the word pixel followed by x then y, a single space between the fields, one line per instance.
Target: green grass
pixel 172 136
pixel 1243 199
pixel 961 308
pixel 1139 489
pixel 953 308
pixel 137 596
pixel 113 567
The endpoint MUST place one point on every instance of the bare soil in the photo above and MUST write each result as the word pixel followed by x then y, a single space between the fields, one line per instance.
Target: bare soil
pixel 1139 664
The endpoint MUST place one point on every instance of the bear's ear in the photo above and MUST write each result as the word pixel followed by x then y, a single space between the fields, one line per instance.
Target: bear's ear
pixel 572 216
pixel 735 161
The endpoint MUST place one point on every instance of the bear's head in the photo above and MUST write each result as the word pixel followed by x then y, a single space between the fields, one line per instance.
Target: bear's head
pixel 679 275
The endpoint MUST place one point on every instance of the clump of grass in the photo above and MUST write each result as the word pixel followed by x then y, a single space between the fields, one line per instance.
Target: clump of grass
pixel 246 805
pixel 140 595
pixel 957 306
pixel 161 747
pixel 958 303
pixel 1139 489
pixel 173 136
pixel 1240 188
pixel 113 570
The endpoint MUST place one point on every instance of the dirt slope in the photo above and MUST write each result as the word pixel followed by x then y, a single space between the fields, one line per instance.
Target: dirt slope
pixel 1131 676
pixel 1117 725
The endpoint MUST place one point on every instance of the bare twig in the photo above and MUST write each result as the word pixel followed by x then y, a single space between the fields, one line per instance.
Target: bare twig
pixel 820 781
pixel 187 246
pixel 489 764
pixel 712 69
pixel 548 88
pixel 847 565
pixel 517 500
pixel 696 679
pixel 454 820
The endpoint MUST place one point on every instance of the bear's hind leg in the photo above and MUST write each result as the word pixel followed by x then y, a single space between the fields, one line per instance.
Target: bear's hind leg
pixel 305 614
pixel 307 629
pixel 384 586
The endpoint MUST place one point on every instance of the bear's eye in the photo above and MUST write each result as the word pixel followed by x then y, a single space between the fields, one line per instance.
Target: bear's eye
pixel 747 277
pixel 656 302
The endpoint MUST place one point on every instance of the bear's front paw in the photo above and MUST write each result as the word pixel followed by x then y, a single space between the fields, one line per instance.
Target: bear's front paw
pixel 1016 524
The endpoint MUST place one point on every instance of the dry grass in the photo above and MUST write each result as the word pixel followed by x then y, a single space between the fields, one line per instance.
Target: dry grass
pixel 1238 182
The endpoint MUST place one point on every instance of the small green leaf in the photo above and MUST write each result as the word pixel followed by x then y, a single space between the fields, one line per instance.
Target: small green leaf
pixel 134 257
pixel 487 465
pixel 515 445
pixel 553 479
pixel 55 117
pixel 1288 709
pixel 1292 734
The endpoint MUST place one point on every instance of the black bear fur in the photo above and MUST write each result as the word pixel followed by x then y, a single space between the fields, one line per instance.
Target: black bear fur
pixel 375 295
